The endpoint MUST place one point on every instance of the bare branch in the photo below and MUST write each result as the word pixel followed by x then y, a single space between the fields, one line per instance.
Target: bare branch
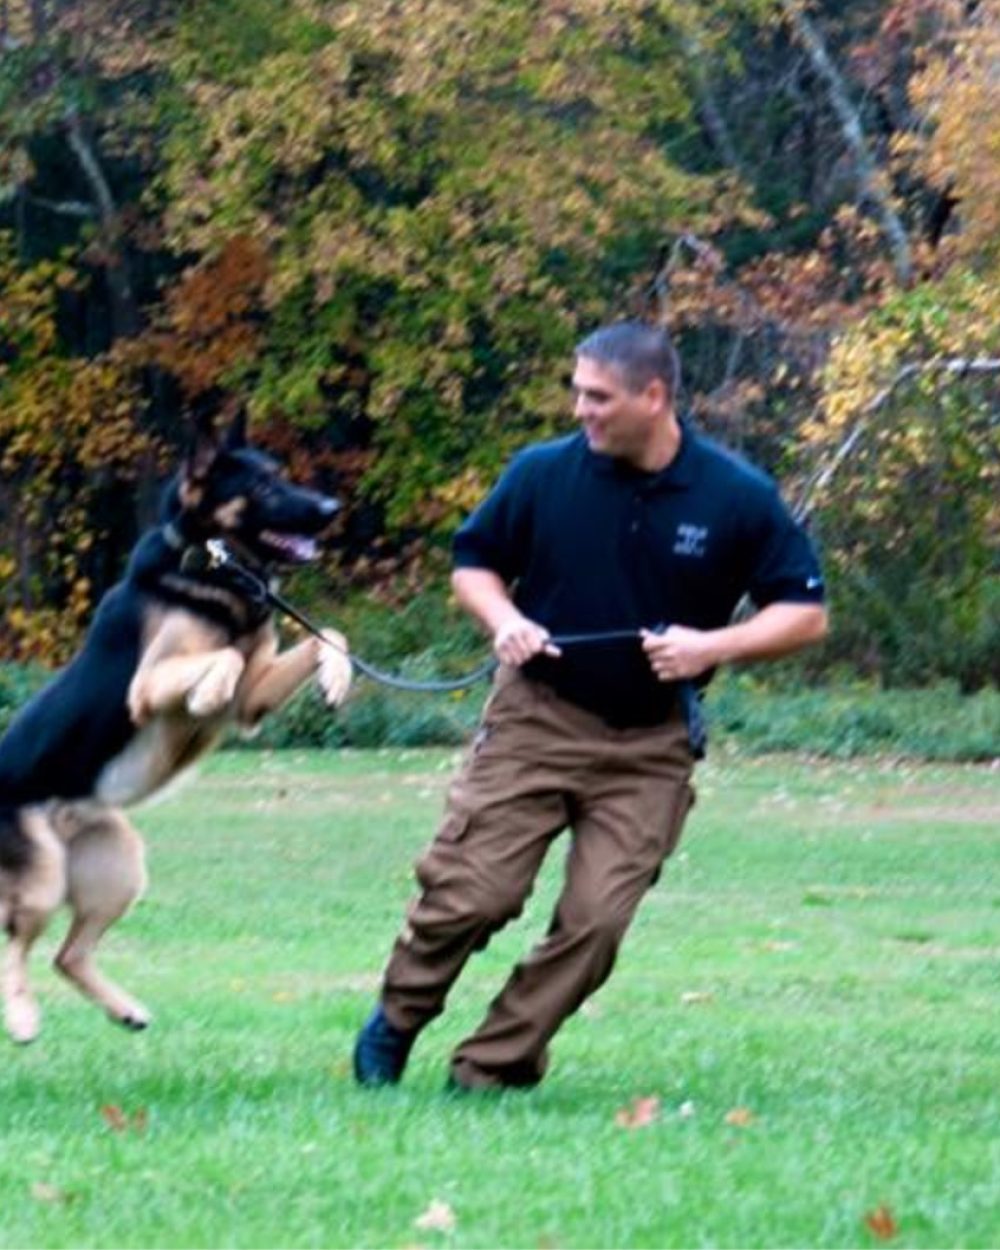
pixel 955 367
pixel 64 208
pixel 711 114
pixel 869 176
pixel 91 168
pixel 124 309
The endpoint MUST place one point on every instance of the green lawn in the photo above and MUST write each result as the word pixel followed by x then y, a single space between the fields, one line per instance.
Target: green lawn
pixel 811 993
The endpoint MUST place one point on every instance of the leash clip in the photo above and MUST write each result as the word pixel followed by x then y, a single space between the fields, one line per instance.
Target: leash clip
pixel 218 553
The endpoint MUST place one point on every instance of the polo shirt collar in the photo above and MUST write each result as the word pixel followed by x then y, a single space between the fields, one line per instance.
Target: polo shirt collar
pixel 679 473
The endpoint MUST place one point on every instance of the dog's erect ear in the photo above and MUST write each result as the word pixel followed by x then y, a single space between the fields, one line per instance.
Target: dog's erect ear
pixel 236 435
pixel 198 463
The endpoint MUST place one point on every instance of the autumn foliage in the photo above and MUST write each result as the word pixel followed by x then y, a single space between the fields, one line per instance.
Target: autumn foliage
pixel 382 227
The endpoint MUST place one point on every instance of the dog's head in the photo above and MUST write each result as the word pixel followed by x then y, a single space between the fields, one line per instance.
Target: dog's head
pixel 228 489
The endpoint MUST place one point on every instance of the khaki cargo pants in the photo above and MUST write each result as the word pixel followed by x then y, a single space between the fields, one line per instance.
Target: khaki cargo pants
pixel 537 766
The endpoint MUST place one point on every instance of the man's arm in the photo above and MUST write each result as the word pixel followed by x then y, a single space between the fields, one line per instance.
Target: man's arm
pixel 777 630
pixel 484 595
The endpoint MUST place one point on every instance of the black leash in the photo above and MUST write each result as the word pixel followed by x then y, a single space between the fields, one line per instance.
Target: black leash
pixel 219 556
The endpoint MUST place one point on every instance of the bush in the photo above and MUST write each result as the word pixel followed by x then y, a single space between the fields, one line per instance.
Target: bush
pixel 775 708
pixel 371 717
pixel 18 682
pixel 938 723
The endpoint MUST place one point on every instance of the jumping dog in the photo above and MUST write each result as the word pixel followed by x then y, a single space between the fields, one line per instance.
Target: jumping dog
pixel 177 650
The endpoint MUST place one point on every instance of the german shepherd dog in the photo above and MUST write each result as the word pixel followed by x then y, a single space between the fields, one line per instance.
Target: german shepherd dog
pixel 177 650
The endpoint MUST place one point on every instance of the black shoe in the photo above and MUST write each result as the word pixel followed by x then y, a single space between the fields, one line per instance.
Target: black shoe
pixel 517 1076
pixel 381 1051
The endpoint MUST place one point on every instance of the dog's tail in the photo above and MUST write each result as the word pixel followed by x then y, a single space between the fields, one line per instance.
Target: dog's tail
pixel 15 845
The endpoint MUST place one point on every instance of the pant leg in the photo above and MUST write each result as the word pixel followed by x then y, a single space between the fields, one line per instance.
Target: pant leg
pixel 631 806
pixel 503 810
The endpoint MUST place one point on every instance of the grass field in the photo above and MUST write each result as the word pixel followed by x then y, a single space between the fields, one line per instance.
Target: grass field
pixel 811 996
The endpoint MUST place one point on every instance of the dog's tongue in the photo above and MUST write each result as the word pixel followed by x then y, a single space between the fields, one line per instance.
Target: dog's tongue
pixel 292 546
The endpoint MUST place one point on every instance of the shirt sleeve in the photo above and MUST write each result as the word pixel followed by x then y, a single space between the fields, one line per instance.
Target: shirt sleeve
pixel 785 567
pixel 495 535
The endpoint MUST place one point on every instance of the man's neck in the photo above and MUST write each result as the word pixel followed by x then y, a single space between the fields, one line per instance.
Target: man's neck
pixel 663 446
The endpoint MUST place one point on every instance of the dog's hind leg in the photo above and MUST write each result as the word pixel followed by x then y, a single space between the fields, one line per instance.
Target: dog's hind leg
pixel 32 894
pixel 106 873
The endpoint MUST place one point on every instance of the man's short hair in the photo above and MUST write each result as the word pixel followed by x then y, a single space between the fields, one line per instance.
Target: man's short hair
pixel 639 351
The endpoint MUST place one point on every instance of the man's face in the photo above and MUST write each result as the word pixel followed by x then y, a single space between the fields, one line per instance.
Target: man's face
pixel 616 421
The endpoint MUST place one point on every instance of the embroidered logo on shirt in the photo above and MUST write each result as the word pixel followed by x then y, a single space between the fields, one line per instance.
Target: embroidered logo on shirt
pixel 690 540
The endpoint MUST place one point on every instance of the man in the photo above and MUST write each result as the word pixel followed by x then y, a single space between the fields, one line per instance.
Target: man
pixel 638 527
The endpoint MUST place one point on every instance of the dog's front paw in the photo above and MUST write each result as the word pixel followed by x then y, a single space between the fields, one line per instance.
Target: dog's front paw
pixel 215 691
pixel 334 670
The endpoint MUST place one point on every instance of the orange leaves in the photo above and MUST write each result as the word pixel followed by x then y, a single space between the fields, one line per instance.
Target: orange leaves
pixel 639 1114
pixel 119 1121
pixel 207 328
pixel 882 1223
pixel 643 1111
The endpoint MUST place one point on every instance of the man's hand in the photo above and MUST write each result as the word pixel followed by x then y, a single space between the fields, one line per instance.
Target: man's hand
pixel 518 640
pixel 777 630
pixel 679 652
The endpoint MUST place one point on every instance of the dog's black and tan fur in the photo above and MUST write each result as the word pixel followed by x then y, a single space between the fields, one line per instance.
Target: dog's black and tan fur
pixel 177 650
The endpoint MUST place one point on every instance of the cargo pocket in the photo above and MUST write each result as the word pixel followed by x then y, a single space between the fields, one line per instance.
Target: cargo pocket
pixel 684 800
pixel 454 827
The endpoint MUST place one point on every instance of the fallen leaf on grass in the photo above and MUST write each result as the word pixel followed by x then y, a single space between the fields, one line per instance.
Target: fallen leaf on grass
pixel 882 1223
pixel 642 1112
pixel 740 1117
pixel 692 997
pixel 119 1122
pixel 42 1191
pixel 438 1218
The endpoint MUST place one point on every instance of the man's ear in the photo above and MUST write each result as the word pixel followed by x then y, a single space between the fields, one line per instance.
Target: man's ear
pixel 236 435
pixel 657 393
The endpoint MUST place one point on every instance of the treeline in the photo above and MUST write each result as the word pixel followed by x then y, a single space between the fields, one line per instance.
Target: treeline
pixel 381 227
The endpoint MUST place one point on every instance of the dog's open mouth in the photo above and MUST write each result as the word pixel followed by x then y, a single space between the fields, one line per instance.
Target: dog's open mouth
pixel 291 548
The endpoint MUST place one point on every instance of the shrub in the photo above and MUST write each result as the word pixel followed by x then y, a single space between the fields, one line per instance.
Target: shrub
pixel 939 722
pixel 18 682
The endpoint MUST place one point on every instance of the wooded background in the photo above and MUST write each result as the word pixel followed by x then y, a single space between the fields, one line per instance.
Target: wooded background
pixel 381 225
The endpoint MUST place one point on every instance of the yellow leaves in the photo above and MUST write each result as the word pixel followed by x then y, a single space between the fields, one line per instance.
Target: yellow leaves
pixel 958 92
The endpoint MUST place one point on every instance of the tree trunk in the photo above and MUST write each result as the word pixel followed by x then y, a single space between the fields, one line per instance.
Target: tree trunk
pixel 124 311
pixel 868 174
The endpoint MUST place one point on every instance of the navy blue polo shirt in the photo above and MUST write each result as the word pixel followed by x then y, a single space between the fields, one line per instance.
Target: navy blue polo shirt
pixel 589 544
